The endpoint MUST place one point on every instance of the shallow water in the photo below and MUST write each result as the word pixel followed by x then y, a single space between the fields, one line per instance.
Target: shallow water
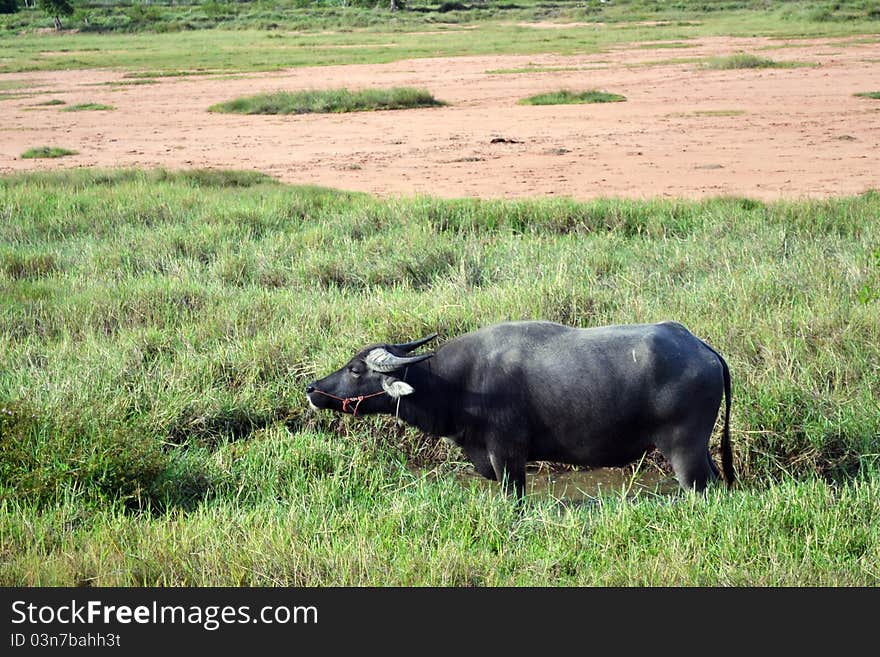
pixel 580 485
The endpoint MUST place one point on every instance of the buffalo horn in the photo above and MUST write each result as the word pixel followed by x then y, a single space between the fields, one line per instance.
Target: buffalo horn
pixel 407 347
pixel 381 360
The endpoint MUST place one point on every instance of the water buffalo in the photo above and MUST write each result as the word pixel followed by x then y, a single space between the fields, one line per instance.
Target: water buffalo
pixel 539 391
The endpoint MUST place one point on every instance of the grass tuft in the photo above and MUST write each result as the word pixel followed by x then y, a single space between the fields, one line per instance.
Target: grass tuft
pixel 868 94
pixel 746 60
pixel 46 151
pixel 88 107
pixel 329 101
pixel 566 97
pixel 20 265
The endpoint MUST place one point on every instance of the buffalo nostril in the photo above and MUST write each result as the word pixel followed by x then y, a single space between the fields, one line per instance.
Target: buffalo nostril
pixel 310 389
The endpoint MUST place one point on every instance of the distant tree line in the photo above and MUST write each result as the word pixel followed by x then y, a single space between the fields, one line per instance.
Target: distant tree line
pixel 55 8
pixel 58 8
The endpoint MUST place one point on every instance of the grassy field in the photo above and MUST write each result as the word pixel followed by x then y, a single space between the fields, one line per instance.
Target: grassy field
pixel 102 16
pixel 158 329
pixel 163 40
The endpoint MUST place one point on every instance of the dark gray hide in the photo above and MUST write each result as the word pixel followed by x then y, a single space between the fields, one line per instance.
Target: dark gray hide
pixel 539 391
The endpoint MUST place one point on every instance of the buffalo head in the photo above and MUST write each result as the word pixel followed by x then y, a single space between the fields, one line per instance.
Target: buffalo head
pixel 371 382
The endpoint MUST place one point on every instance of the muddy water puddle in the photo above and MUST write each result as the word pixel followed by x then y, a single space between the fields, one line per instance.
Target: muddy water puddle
pixel 582 485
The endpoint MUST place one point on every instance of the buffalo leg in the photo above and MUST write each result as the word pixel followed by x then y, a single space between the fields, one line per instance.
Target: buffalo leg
pixel 510 470
pixel 692 469
pixel 687 452
pixel 479 456
pixel 715 473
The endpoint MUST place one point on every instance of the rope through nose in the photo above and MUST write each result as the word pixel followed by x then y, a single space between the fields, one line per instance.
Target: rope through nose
pixel 346 401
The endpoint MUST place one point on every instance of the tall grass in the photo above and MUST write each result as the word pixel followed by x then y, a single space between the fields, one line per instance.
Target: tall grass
pixel 329 100
pixel 566 97
pixel 158 329
pixel 331 514
pixel 46 152
pixel 746 60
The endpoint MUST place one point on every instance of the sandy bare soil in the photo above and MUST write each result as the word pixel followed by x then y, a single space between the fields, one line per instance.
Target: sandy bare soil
pixel 684 130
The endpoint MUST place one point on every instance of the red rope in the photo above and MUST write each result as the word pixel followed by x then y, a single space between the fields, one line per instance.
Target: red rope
pixel 347 400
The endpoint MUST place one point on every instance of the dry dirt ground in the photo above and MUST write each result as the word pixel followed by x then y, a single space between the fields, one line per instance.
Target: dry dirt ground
pixel 683 131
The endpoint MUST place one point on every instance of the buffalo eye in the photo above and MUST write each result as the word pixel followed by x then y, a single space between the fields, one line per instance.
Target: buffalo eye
pixel 355 370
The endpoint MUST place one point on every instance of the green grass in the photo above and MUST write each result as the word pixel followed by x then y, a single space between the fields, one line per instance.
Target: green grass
pixel 327 515
pixel 665 45
pixel 46 151
pixel 566 97
pixel 7 85
pixel 50 103
pixel 272 36
pixel 88 107
pixel 745 60
pixel 330 100
pixel 535 69
pixel 710 113
pixel 282 15
pixel 869 94
pixel 158 329
pixel 130 83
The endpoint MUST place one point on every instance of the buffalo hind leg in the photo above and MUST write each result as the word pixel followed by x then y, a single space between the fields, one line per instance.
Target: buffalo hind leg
pixel 693 469
pixel 685 448
pixel 715 473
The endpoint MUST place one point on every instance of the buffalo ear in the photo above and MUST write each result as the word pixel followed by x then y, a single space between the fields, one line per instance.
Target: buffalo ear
pixel 396 388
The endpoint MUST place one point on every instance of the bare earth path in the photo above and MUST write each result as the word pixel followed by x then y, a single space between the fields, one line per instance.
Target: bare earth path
pixel 684 130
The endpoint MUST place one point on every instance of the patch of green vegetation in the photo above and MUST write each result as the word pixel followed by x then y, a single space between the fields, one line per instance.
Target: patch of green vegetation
pixel 673 61
pixel 869 94
pixel 280 15
pixel 723 112
pixel 46 151
pixel 7 85
pixel 332 100
pixel 746 60
pixel 79 179
pixel 137 75
pixel 662 45
pixel 566 97
pixel 720 112
pixel 50 103
pixel 129 83
pixel 536 69
pixel 88 107
pixel 18 265
pixel 273 36
pixel 317 511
